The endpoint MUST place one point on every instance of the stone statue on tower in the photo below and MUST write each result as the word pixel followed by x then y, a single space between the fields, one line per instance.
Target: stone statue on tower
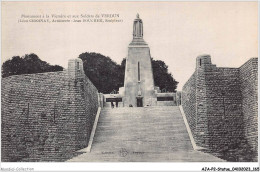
pixel 138 87
pixel 138 27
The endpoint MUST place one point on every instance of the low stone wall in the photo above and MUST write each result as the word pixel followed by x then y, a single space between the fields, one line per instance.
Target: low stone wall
pixel 166 99
pixel 221 107
pixel 166 103
pixel 161 99
pixel 178 98
pixel 46 116
pixel 114 99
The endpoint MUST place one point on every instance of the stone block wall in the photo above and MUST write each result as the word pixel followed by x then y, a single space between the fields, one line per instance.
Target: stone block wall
pixel 221 105
pixel 224 108
pixel 46 116
pixel 249 89
pixel 189 102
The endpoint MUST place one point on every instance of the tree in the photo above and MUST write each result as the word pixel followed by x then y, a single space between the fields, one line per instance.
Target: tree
pixel 102 71
pixel 27 64
pixel 162 77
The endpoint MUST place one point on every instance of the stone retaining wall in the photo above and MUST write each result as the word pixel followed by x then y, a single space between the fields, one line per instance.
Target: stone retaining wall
pixel 47 116
pixel 221 105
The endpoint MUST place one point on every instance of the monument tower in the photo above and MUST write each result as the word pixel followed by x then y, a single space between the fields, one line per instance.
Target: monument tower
pixel 139 82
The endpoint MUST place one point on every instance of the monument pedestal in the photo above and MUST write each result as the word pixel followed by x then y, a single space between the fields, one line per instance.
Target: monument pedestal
pixel 139 83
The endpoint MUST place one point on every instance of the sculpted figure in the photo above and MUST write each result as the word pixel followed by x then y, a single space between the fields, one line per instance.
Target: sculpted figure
pixel 138 27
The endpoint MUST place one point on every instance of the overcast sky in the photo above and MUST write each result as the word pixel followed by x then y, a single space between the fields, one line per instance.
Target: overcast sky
pixel 176 32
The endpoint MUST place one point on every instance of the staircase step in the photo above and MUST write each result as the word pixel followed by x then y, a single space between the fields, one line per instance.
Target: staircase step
pixel 147 134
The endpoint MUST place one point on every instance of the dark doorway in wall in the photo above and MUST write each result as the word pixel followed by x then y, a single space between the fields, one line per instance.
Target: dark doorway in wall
pixel 139 101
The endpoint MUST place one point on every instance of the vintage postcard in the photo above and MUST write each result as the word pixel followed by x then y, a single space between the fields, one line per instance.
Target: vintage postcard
pixel 173 82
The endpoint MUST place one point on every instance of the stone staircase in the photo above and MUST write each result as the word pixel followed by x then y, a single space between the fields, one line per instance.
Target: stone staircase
pixel 147 134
